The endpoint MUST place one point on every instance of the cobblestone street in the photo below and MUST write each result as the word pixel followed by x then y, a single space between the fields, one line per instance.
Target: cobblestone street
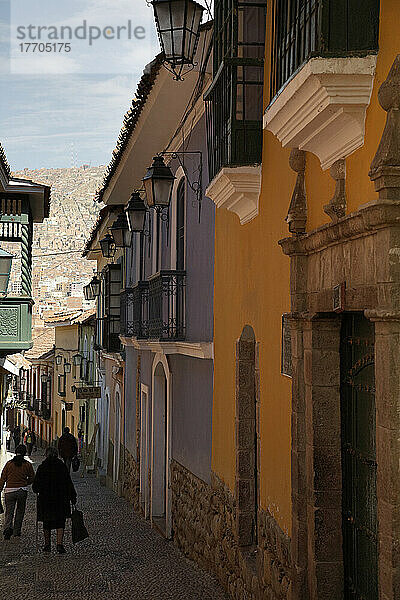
pixel 123 558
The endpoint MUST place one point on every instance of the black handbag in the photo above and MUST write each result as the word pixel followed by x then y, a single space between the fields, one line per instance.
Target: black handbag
pixel 75 463
pixel 79 531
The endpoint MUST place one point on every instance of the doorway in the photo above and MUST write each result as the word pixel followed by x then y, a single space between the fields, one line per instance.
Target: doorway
pixel 144 451
pixel 159 475
pixel 117 437
pixel 358 425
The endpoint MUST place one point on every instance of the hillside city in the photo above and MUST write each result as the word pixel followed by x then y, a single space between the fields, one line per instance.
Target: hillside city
pixel 59 273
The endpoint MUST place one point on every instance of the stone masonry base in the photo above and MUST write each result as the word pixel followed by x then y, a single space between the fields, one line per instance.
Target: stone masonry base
pixel 204 529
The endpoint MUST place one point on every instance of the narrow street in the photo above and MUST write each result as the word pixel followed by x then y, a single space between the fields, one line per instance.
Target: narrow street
pixel 123 558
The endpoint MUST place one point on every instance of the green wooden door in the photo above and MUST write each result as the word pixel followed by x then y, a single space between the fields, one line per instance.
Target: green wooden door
pixel 360 529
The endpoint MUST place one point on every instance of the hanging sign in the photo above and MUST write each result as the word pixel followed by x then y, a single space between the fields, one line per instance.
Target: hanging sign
pixel 84 393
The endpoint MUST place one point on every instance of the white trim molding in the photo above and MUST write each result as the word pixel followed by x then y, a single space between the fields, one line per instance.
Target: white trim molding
pixel 322 108
pixel 193 349
pixel 238 190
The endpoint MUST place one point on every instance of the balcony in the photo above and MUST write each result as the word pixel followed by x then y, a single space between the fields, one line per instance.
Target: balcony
pixel 15 324
pixel 108 331
pixel 135 311
pixel 323 60
pixel 167 306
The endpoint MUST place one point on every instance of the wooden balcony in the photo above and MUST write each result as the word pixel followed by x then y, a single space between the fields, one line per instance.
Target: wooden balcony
pixel 15 324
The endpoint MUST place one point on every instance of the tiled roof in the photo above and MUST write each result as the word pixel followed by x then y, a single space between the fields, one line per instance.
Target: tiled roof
pixel 131 118
pixel 43 342
pixel 70 318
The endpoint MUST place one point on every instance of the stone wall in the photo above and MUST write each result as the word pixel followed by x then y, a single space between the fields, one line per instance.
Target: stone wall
pixel 204 522
pixel 130 478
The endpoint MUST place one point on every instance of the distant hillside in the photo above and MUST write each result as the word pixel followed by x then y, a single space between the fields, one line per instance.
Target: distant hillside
pixel 59 271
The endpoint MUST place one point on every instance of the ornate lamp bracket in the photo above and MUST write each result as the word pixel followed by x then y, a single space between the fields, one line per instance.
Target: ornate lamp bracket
pixel 297 214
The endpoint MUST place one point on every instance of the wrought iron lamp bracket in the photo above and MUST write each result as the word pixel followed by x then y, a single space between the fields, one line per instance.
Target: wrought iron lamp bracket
pixel 195 185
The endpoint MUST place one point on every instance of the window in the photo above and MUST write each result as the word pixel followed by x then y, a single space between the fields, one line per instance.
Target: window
pixel 111 304
pixel 61 385
pixel 234 103
pixel 306 28
pixel 180 226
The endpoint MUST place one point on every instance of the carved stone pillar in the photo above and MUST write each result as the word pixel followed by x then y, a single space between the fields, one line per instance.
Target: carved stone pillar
pixel 297 214
pixel 336 208
pixel 385 167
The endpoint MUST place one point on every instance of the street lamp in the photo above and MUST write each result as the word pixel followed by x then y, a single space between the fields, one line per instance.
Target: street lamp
pixel 77 358
pixel 120 232
pixel 88 293
pixel 95 286
pixel 5 270
pixel 58 359
pixel 44 379
pixel 178 27
pixel 67 367
pixel 107 246
pixel 158 183
pixel 136 213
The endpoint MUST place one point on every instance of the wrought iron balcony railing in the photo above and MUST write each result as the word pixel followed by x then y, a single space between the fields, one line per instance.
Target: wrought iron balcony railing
pixel 107 334
pixel 167 306
pixel 135 311
pixel 307 28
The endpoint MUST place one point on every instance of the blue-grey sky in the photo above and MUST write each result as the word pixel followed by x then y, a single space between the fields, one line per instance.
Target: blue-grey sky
pixel 60 108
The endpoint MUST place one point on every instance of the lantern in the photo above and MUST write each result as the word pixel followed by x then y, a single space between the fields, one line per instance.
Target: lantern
pixel 67 367
pixel 5 269
pixel 136 213
pixel 120 232
pixel 88 293
pixel 44 378
pixel 95 286
pixel 107 246
pixel 158 183
pixel 58 359
pixel 77 359
pixel 178 27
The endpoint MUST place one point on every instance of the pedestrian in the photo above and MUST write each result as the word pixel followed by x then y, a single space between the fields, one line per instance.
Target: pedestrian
pixel 56 492
pixel 8 439
pixel 30 441
pixel 17 436
pixel 67 447
pixel 17 475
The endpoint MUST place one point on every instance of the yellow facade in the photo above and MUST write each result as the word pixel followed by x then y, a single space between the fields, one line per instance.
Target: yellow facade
pixel 252 286
pixel 66 342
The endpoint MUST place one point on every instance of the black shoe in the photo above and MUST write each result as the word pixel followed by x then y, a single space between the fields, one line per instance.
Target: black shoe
pixel 7 534
pixel 47 548
pixel 60 549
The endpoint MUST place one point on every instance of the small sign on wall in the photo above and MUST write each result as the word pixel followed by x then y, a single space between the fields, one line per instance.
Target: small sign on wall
pixel 286 346
pixel 339 297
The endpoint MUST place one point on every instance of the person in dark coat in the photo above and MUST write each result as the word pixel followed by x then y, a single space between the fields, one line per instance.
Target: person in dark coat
pixel 56 492
pixel 67 447
pixel 17 436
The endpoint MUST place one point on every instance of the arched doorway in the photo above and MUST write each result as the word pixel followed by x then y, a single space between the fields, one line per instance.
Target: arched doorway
pixel 160 451
pixel 117 435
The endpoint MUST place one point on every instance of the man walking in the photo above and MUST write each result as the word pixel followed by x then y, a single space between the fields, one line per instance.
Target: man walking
pixel 30 441
pixel 17 436
pixel 67 447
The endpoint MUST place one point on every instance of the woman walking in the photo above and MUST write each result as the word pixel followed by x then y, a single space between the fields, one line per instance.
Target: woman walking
pixel 17 475
pixel 56 492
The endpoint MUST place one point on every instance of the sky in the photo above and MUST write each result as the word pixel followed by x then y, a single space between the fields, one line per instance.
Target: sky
pixel 62 104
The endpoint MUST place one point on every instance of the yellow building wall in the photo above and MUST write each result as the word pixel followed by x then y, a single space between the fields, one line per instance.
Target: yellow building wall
pixel 252 286
pixel 66 342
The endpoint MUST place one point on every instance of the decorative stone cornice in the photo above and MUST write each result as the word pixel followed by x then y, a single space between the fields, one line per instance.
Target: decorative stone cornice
pixel 322 108
pixel 382 315
pixel 385 167
pixel 297 214
pixel 194 349
pixel 237 189
pixel 367 219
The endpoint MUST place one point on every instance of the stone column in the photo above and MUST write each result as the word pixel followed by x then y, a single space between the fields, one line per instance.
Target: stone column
pixel 387 398
pixel 321 339
pixel 299 513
